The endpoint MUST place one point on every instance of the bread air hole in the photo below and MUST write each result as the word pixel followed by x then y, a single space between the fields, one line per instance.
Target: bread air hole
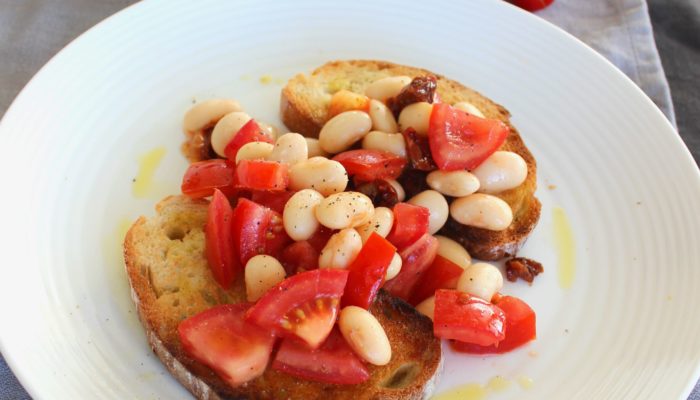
pixel 175 233
pixel 402 376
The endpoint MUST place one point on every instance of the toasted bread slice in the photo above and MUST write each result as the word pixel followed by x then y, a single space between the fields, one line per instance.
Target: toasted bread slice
pixel 304 105
pixel 170 281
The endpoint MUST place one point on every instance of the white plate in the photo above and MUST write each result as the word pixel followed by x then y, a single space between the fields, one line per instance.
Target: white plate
pixel 71 141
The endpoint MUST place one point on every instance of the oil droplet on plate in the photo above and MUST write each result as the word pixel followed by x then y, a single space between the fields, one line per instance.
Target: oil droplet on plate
pixel 525 382
pixel 498 384
pixel 565 246
pixel 472 391
pixel 142 185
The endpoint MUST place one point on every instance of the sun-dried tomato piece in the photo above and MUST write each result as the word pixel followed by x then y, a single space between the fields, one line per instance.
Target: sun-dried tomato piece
pixel 421 88
pixel 523 268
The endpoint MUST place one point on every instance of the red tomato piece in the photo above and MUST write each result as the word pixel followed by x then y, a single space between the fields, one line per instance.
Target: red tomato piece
pixel 333 362
pixel 299 257
pixel 203 177
pixel 467 318
pixel 462 141
pixel 219 246
pixel 368 165
pixel 531 5
pixel 257 230
pixel 416 259
pixel 410 223
pixel 321 237
pixel 250 132
pixel 368 271
pixel 304 306
pixel 521 327
pixel 272 200
pixel 262 175
pixel 345 100
pixel 221 338
pixel 442 274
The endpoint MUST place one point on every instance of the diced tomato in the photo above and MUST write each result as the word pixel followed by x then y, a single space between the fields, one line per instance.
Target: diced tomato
pixel 320 238
pixel 442 274
pixel 462 141
pixel 467 318
pixel 410 223
pixel 257 230
pixel 221 338
pixel 303 306
pixel 262 175
pixel 250 132
pixel 368 165
pixel 201 178
pixel 368 271
pixel 333 362
pixel 272 200
pixel 219 246
pixel 299 257
pixel 521 328
pixel 531 5
pixel 345 100
pixel 416 259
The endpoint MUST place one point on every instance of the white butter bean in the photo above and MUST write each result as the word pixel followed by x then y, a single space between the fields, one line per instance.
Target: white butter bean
pixel 394 267
pixel 365 335
pixel 482 211
pixel 469 108
pixel 289 148
pixel 381 222
pixel 205 114
pixel 345 210
pixel 384 88
pixel 269 130
pixel 453 251
pixel 343 130
pixel 400 193
pixel 318 173
pixel 382 118
pixel 503 170
pixel 226 129
pixel 254 151
pixel 427 307
pixel 436 204
pixel 262 272
pixel 299 216
pixel 416 116
pixel 391 142
pixel 481 280
pixel 453 183
pixel 341 250
pixel 314 148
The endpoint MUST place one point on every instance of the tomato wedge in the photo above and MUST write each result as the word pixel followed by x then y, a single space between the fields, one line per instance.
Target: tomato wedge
pixel 219 249
pixel 299 257
pixel 321 237
pixel 531 5
pixel 262 175
pixel 442 274
pixel 521 328
pixel 221 339
pixel 410 223
pixel 367 273
pixel 203 177
pixel 462 141
pixel 467 318
pixel 272 200
pixel 368 165
pixel 416 259
pixel 304 306
pixel 333 362
pixel 250 132
pixel 257 230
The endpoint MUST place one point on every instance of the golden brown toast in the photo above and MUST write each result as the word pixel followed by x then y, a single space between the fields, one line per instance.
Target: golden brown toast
pixel 304 105
pixel 170 281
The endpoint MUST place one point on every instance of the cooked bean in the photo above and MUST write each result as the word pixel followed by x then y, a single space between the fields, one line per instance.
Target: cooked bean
pixel 453 251
pixel 382 118
pixel 482 211
pixel 391 142
pixel 341 250
pixel 344 210
pixel 299 216
pixel 314 148
pixel 381 222
pixel 469 108
pixel 427 307
pixel 318 173
pixel 207 113
pixel 343 130
pixel 261 273
pixel 384 88
pixel 436 204
pixel 482 280
pixel 416 116
pixel 453 183
pixel 394 267
pixel 269 130
pixel 365 335
pixel 289 148
pixel 400 193
pixel 226 129
pixel 254 151
pixel 503 170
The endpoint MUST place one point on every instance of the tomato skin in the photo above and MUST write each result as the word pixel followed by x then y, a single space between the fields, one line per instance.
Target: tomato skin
pixel 416 259
pixel 221 338
pixel 321 237
pixel 467 318
pixel 368 272
pixel 531 5
pixel 257 230
pixel 333 362
pixel 219 242
pixel 250 132
pixel 521 327
pixel 299 257
pixel 410 223
pixel 203 177
pixel 272 200
pixel 345 100
pixel 369 165
pixel 262 175
pixel 462 141
pixel 442 274
pixel 276 310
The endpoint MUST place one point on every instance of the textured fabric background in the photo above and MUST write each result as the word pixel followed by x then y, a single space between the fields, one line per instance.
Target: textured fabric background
pixel 32 31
